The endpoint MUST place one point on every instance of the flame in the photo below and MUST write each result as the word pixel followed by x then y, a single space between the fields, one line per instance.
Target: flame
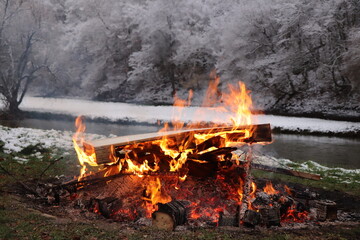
pixel 154 195
pixel 240 190
pixel 288 190
pixel 135 159
pixel 88 157
pixel 212 94
pixel 238 100
pixel 252 196
pixel 269 189
pixel 293 215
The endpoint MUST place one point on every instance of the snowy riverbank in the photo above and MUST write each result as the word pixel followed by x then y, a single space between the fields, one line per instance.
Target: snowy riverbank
pixel 152 114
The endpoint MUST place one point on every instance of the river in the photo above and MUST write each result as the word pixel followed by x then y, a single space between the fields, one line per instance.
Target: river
pixel 326 150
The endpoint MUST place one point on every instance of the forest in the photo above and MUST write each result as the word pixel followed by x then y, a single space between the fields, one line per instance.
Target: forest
pixel 298 57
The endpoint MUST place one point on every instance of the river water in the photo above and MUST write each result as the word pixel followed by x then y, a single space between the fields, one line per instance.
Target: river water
pixel 328 151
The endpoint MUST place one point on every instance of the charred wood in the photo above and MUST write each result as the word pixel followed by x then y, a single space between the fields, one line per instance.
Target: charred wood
pixel 170 215
pixel 270 216
pixel 228 220
pixel 251 218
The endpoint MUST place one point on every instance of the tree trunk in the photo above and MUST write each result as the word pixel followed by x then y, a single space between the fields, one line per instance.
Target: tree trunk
pixel 13 107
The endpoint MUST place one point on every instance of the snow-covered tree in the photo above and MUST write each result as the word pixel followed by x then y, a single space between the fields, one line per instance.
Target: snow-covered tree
pixel 21 57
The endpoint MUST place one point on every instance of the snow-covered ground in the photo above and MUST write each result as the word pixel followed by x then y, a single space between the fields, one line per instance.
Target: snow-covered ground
pixel 151 114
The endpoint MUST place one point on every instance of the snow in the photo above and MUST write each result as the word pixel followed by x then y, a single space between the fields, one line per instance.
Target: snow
pixel 152 114
pixel 16 139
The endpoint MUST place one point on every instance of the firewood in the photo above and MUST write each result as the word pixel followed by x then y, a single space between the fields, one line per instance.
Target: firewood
pixel 163 221
pixel 91 180
pixel 207 169
pixel 227 220
pixel 251 218
pixel 326 210
pixel 170 215
pixel 270 216
pixel 261 133
pixel 216 141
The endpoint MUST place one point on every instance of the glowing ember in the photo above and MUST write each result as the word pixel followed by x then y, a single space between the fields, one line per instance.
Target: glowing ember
pixel 294 215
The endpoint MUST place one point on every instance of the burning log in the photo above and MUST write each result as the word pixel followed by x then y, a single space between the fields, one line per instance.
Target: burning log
pixel 326 210
pixel 95 179
pixel 102 147
pixel 170 215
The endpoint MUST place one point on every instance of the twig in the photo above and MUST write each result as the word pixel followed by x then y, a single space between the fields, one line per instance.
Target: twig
pixel 51 164
pixel 19 182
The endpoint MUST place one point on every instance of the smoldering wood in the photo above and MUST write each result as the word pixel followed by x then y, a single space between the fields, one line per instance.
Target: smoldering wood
pixel 247 179
pixel 163 221
pixel 171 214
pixel 251 218
pixel 228 220
pixel 92 180
pixel 326 210
pixel 270 215
pixel 102 147
pixel 207 169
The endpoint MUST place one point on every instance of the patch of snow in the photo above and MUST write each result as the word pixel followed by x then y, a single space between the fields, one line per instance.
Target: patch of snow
pixel 16 139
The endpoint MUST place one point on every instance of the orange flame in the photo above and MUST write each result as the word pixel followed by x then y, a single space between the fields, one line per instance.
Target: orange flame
pixel 154 195
pixel 240 191
pixel 88 157
pixel 238 101
pixel 269 189
pixel 293 215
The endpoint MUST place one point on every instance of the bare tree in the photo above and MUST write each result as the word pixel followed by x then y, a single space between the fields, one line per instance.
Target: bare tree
pixel 18 66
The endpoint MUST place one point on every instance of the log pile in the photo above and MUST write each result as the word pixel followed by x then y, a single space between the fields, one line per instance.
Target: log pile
pixel 102 147
pixel 123 200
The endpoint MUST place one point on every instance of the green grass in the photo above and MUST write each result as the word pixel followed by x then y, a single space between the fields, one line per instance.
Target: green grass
pixel 325 183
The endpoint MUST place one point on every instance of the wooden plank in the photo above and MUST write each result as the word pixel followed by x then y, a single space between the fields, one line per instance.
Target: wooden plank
pixel 261 133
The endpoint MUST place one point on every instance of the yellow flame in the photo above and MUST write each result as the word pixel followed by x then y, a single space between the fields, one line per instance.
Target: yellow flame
pixel 88 157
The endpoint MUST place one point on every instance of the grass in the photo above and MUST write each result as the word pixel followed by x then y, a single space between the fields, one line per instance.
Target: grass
pixel 325 183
